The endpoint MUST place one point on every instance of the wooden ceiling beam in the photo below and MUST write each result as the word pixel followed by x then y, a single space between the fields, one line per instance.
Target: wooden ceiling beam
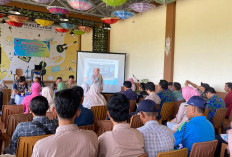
pixel 44 9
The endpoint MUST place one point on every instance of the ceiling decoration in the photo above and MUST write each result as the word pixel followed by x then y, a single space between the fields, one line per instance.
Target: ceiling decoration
pixel 114 3
pixel 98 7
pixel 122 14
pixel 68 25
pixel 43 22
pixel 165 1
pixel 43 1
pixel 142 7
pixel 61 30
pixel 110 20
pixel 3 2
pixel 16 18
pixel 13 23
pixel 57 10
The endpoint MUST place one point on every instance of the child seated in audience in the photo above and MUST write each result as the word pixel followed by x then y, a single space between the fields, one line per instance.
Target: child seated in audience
pixel 94 97
pixel 38 107
pixel 69 140
pixel 177 94
pixel 35 91
pixel 158 138
pixel 86 116
pixel 18 87
pixel 122 141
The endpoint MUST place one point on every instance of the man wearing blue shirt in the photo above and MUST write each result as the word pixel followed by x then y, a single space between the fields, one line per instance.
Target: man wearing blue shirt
pixel 198 129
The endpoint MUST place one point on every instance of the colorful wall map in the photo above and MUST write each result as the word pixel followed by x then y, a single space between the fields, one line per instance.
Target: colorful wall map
pixel 62 54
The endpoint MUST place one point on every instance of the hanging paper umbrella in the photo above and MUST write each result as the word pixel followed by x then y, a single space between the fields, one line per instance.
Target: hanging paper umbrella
pixel 61 30
pixel 43 1
pixel 16 18
pixel 15 24
pixel 114 3
pixel 44 22
pixel 122 14
pixel 84 29
pixel 2 15
pixel 142 7
pixel 68 25
pixel 3 2
pixel 81 5
pixel 110 20
pixel 165 1
pixel 57 10
pixel 78 32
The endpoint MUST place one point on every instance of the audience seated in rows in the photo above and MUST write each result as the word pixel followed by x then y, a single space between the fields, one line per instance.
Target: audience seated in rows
pixel 181 116
pixel 47 92
pixel 164 93
pixel 133 87
pixel 201 89
pixel 177 94
pixel 157 138
pixel 214 102
pixel 150 89
pixel 86 115
pixel 142 91
pixel 122 141
pixel 18 87
pixel 40 125
pixel 128 91
pixel 198 129
pixel 71 82
pixel 228 98
pixel 68 140
pixel 54 85
pixel 35 91
pixel 94 97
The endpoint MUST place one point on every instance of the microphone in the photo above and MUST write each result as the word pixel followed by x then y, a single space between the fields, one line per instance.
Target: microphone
pixel 136 78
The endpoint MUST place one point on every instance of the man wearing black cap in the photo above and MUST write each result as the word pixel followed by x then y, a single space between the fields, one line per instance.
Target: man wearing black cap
pixel 201 89
pixel 214 102
pixel 198 129
pixel 157 138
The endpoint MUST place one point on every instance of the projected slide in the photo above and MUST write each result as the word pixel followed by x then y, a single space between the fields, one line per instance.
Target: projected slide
pixel 108 69
pixel 111 65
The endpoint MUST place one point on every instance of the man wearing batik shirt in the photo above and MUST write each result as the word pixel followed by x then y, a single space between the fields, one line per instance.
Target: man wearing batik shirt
pixel 228 98
pixel 201 89
pixel 214 102
pixel 165 94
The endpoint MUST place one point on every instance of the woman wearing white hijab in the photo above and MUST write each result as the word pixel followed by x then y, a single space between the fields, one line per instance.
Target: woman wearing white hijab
pixel 48 93
pixel 94 97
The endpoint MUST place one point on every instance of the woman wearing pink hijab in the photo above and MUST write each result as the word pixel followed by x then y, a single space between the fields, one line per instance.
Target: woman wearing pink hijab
pixel 181 116
pixel 35 91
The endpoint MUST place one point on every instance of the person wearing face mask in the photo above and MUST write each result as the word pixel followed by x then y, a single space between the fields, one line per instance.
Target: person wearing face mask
pixel 97 78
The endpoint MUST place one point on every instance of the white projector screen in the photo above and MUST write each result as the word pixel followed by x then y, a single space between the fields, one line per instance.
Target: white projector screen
pixel 111 65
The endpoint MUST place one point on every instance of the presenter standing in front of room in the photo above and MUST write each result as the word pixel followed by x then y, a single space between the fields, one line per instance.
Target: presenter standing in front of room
pixel 97 78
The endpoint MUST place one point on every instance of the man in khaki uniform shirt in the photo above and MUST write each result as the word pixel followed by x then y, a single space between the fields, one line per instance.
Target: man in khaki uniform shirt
pixel 123 141
pixel 69 140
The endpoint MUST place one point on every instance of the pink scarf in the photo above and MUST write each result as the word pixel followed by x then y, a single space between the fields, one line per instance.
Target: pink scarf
pixel 35 90
pixel 188 92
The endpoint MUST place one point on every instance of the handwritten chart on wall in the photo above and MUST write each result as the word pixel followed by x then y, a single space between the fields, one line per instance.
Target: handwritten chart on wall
pixel 22 50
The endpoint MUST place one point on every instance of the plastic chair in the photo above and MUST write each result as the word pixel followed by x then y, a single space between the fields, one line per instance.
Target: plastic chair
pixel 223 149
pixel 132 105
pixel 102 126
pixel 175 153
pixel 144 155
pixel 26 144
pixel 136 122
pixel 176 108
pixel 51 115
pixel 9 110
pixel 166 111
pixel 203 149
pixel 99 112
pixel 87 127
pixel 218 119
